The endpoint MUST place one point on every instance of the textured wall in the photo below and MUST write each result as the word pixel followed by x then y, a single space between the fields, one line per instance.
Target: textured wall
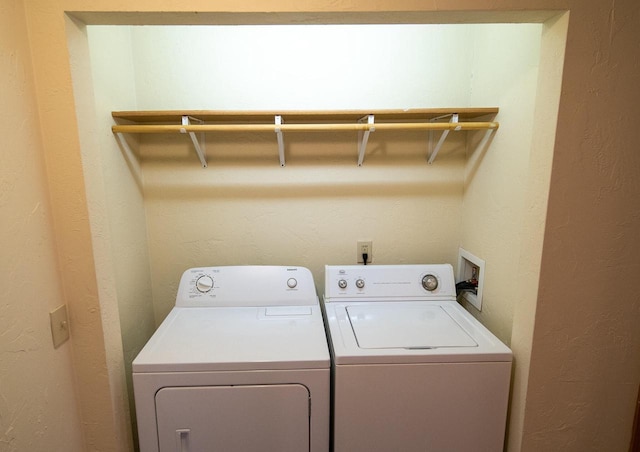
pixel 585 363
pixel 38 409
pixel 292 67
pixel 496 176
pixel 245 209
pixel 310 213
pixel 112 86
pixel 85 273
pixel 533 220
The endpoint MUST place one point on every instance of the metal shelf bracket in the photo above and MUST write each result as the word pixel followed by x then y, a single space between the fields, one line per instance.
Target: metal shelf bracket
pixel 197 143
pixel 363 136
pixel 433 151
pixel 278 130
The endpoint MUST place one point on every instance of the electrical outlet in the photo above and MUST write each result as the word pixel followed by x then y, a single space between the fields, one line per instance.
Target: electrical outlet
pixel 364 247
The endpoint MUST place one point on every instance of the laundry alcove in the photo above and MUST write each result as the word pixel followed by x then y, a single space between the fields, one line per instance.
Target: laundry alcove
pixel 165 213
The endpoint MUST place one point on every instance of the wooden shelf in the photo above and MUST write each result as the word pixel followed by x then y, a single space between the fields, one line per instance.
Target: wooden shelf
pixel 362 121
pixel 299 116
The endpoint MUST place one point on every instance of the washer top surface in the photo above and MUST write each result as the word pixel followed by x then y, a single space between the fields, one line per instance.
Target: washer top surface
pixel 413 326
pixel 266 324
pixel 392 317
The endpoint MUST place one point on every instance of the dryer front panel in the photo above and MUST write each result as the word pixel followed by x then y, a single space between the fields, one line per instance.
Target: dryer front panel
pixel 243 418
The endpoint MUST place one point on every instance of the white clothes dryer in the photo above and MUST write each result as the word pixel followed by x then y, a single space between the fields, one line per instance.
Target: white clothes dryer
pixel 240 364
pixel 413 371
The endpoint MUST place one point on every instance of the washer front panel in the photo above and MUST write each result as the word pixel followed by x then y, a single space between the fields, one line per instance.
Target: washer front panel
pixel 435 407
pixel 406 327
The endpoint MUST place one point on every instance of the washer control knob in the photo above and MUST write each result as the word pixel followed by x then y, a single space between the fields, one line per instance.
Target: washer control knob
pixel 360 283
pixel 430 283
pixel 204 284
pixel 342 284
pixel 292 283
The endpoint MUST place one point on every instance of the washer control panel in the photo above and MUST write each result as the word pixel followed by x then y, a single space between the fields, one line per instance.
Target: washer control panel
pixel 370 282
pixel 246 286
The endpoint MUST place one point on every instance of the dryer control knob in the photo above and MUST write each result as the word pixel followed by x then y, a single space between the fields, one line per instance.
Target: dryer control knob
pixel 430 283
pixel 342 284
pixel 204 284
pixel 360 283
pixel 291 283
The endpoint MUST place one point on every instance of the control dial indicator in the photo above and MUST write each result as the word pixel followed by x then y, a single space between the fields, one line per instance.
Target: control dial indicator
pixel 360 283
pixel 430 282
pixel 342 284
pixel 204 283
pixel 292 283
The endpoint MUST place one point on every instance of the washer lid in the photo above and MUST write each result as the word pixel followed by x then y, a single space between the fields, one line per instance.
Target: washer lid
pixel 407 327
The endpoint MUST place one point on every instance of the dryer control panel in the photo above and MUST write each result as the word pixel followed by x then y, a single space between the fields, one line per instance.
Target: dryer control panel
pixel 389 282
pixel 240 286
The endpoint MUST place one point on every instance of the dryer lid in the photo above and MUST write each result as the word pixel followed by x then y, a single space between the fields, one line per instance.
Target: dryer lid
pixel 406 327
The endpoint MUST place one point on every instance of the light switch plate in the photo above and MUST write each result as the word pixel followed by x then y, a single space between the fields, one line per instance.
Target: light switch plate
pixel 59 325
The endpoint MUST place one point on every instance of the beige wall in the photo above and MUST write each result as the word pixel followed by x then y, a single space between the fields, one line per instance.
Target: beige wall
pixel 496 174
pixel 38 405
pixel 585 362
pixel 224 217
pixel 110 82
pixel 252 211
pixel 245 209
pixel 582 380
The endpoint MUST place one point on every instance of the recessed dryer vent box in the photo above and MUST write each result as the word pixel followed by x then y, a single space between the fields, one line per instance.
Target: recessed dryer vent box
pixel 470 267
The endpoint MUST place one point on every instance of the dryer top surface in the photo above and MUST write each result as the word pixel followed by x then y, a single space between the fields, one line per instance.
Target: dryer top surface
pixel 245 338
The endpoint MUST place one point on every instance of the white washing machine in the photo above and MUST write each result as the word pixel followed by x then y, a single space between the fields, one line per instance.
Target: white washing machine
pixel 413 370
pixel 240 364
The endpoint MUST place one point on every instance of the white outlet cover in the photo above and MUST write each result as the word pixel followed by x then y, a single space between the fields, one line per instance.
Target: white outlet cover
pixel 360 245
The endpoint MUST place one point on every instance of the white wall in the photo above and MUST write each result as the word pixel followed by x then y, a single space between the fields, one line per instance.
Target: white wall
pixel 38 406
pixel 301 67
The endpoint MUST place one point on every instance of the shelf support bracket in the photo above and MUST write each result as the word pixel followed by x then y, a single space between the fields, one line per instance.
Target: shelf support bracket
pixel 363 136
pixel 197 143
pixel 433 151
pixel 278 130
